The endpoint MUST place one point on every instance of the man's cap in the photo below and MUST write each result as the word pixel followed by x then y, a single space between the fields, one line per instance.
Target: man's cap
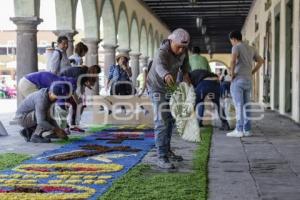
pixel 180 36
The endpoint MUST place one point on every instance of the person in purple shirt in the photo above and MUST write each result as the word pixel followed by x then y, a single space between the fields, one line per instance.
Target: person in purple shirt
pixel 34 81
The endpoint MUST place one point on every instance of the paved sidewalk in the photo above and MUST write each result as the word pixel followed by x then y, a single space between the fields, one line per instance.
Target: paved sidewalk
pixel 14 143
pixel 265 166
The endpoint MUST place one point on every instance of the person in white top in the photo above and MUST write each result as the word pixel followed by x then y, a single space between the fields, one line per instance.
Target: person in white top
pixel 225 84
pixel 80 50
pixel 142 78
pixel 59 61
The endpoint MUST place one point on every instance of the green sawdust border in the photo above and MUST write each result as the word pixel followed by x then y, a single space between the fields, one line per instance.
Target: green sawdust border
pixel 140 183
pixel 10 160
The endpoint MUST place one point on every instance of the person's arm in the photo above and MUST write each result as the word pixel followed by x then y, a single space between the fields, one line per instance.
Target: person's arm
pixel 207 65
pixel 259 62
pixel 41 110
pixel 234 57
pixel 145 73
pixel 129 71
pixel 110 76
pixel 162 68
pixel 185 70
pixel 55 62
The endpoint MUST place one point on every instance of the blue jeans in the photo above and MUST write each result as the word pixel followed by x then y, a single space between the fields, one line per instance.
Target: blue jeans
pixel 240 92
pixel 225 88
pixel 203 89
pixel 163 123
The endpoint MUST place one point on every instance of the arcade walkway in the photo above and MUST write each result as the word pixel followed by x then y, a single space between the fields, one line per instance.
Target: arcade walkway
pixel 265 166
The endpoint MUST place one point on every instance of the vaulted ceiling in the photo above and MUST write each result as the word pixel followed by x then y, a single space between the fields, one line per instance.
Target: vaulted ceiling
pixel 218 16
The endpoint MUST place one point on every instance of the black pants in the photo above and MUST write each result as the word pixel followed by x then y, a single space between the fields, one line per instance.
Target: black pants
pixel 122 89
pixel 205 88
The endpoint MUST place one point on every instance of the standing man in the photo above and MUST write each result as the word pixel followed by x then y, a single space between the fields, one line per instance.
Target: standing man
pixel 241 71
pixel 197 61
pixel 59 61
pixel 171 58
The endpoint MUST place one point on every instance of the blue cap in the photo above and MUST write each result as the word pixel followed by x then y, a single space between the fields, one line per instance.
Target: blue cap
pixel 60 89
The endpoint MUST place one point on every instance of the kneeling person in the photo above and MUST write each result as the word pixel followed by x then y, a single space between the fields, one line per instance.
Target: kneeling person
pixel 33 114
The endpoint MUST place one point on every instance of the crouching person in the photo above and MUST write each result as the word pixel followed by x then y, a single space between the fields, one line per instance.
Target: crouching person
pixel 33 114
pixel 205 84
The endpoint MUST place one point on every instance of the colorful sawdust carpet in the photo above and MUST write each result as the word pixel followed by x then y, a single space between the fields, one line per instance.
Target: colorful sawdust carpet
pixel 84 169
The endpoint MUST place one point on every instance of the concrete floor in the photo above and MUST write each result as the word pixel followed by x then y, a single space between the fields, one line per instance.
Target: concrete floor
pixel 265 166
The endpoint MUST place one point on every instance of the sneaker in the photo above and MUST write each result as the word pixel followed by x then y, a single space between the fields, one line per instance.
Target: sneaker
pixel 247 133
pixel 67 131
pixel 77 129
pixel 101 108
pixel 164 163
pixel 24 134
pixel 225 127
pixel 174 157
pixel 39 139
pixel 52 136
pixel 235 133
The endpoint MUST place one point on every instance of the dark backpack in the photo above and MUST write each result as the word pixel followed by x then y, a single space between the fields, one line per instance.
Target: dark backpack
pixel 149 66
pixel 60 54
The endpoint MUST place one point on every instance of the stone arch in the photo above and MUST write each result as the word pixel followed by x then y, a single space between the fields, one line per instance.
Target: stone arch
pixel 150 42
pixel 144 39
pixel 65 20
pixel 91 25
pixel 48 15
pixel 156 42
pixel 123 28
pixel 109 23
pixel 134 34
pixel 27 8
pixel 161 38
pixel 219 61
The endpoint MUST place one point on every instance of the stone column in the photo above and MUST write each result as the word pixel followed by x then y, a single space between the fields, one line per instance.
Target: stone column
pixel 143 62
pixel 92 57
pixel 124 51
pixel 109 57
pixel 27 60
pixel 135 65
pixel 92 54
pixel 70 35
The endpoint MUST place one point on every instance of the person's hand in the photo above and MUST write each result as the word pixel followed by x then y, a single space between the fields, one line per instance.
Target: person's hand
pixel 169 80
pixel 187 79
pixel 61 133
pixel 106 88
pixel 124 66
pixel 233 76
pixel 140 94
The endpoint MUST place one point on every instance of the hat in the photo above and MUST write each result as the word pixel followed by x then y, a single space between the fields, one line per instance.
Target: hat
pixel 60 89
pixel 180 36
pixel 122 55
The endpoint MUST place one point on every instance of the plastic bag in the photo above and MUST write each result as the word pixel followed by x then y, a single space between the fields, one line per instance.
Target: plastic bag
pixel 182 105
pixel 229 110
pixel 60 116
